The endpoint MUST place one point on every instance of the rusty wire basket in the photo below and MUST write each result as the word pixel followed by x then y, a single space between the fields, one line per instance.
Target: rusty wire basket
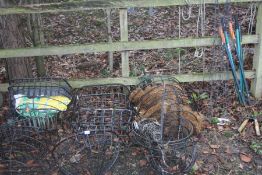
pixel 162 126
pixel 87 153
pixel 39 100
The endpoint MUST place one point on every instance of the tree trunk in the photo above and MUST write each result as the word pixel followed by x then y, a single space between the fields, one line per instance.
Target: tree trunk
pixel 11 37
pixel 38 39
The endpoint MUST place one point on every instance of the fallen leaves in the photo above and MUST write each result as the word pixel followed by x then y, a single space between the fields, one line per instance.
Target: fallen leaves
pixel 228 150
pixel 30 162
pixel 136 152
pixel 205 152
pixel 245 157
pixel 214 146
pixel 142 163
pixel 108 173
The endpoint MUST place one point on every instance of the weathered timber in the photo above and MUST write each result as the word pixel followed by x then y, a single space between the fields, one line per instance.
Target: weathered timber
pixel 38 40
pixel 124 38
pixel 135 80
pixel 256 85
pixel 109 33
pixel 118 46
pixel 80 5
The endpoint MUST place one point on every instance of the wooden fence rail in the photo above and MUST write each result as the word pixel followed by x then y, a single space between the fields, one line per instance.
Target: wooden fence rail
pixel 118 46
pixel 81 5
pixel 124 45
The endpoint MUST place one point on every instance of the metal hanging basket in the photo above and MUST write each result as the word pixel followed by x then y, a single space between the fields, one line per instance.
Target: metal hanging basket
pixel 22 151
pixel 173 158
pixel 103 96
pixel 107 120
pixel 87 153
pixel 104 109
pixel 162 129
pixel 159 112
pixel 39 100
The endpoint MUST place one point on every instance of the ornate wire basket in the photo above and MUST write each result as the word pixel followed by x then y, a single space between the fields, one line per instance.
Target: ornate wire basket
pixel 170 149
pixel 39 100
pixel 87 153
pixel 163 128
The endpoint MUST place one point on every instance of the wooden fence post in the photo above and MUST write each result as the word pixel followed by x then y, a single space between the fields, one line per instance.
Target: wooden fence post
pixel 38 40
pixel 256 86
pixel 124 37
pixel 109 33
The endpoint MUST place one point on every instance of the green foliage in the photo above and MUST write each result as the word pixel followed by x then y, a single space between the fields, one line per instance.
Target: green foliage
pixel 228 134
pixel 137 70
pixel 132 73
pixel 197 97
pixel 214 120
pixel 105 73
pixel 99 23
pixel 257 147
pixel 257 113
pixel 170 54
pixel 193 170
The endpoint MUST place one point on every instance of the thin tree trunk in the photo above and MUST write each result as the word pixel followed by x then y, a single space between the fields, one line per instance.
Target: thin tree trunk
pixel 37 35
pixel 11 37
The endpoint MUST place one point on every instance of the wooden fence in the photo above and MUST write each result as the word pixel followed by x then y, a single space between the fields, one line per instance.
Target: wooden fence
pixel 124 46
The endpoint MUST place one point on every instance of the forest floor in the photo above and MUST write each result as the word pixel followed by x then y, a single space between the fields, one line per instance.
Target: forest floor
pixel 221 149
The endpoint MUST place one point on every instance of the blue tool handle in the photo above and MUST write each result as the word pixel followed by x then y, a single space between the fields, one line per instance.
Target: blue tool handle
pixel 232 64
pixel 240 57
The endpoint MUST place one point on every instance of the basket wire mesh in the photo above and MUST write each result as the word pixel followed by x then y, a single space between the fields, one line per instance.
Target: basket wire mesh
pixel 103 116
pixel 104 108
pixel 23 150
pixel 161 127
pixel 39 100
pixel 87 153
pixel 104 96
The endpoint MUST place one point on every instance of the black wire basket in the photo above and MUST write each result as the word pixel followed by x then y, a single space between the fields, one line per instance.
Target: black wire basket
pixel 104 108
pixel 39 100
pixel 118 121
pixel 172 158
pixel 23 151
pixel 87 153
pixel 103 96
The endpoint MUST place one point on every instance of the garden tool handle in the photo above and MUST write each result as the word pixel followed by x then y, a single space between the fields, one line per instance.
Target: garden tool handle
pixel 221 34
pixel 257 127
pixel 231 31
pixel 236 22
pixel 243 125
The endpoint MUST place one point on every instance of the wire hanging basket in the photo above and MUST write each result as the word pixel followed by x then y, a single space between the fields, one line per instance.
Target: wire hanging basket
pixel 118 121
pixel 173 158
pixel 162 127
pixel 104 108
pixel 87 153
pixel 103 96
pixel 39 100
pixel 22 151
